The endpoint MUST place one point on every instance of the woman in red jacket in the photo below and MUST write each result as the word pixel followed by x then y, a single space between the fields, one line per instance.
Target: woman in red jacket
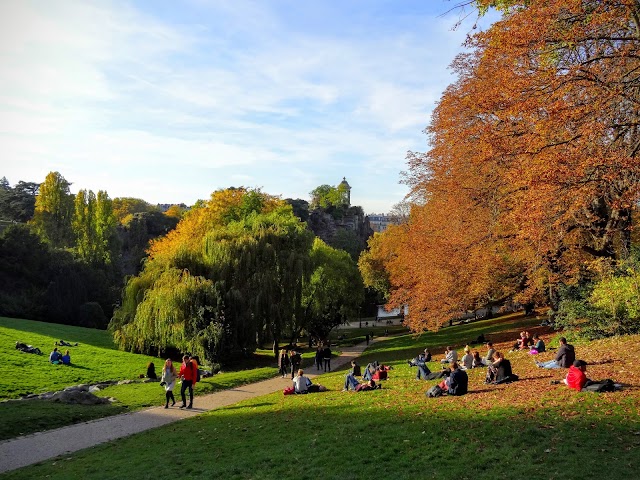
pixel 577 378
pixel 188 374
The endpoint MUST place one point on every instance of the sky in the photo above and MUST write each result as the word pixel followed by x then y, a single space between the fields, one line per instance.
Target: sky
pixel 171 100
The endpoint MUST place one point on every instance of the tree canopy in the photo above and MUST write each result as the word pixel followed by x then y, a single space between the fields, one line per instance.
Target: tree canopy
pixel 533 169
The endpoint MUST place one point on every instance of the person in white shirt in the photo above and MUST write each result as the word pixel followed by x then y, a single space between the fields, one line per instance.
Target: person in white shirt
pixel 301 383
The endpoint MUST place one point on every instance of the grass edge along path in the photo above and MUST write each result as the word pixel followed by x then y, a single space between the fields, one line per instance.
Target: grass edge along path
pixel 34 448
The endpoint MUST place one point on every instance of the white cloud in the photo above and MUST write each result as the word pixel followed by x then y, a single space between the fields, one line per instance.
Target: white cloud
pixel 232 90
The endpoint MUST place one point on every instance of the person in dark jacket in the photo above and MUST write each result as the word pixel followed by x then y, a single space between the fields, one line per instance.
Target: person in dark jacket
pixel 355 369
pixel 500 371
pixel 565 356
pixel 457 383
pixel 296 361
pixel 326 354
pixel 319 357
pixel 283 363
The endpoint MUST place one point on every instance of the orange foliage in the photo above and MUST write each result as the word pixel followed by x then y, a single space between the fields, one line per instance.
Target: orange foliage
pixel 533 169
pixel 196 222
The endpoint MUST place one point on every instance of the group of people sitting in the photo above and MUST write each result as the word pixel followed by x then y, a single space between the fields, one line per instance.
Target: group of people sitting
pixel 372 372
pixel 56 358
pixel 375 371
pixel 533 344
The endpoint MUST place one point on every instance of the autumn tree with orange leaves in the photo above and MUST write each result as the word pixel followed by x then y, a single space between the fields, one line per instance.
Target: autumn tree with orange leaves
pixel 533 170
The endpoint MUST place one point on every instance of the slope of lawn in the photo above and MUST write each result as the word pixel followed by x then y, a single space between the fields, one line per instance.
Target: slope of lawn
pixel 528 429
pixel 95 359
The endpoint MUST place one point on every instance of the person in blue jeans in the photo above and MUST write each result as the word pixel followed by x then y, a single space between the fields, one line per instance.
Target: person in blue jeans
pixel 351 382
pixel 423 370
pixel 565 356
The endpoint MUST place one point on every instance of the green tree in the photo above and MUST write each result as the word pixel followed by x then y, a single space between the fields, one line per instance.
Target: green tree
pixel 326 196
pixel 54 211
pixel 334 291
pixel 94 226
pixel 17 204
pixel 228 278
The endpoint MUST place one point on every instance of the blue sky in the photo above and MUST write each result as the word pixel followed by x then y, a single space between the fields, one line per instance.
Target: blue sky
pixel 171 100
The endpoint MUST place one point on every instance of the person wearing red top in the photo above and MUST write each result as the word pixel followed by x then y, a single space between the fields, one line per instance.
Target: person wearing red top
pixel 188 373
pixel 576 378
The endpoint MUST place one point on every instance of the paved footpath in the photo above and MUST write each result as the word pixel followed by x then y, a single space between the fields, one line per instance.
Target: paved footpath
pixel 29 449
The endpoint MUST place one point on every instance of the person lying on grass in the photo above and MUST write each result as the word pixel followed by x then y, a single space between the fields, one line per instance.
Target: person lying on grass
pixel 421 363
pixel 457 383
pixel 351 382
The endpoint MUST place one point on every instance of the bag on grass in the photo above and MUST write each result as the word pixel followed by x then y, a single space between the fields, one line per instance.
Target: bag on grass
pixel 601 386
pixel 434 391
pixel 288 391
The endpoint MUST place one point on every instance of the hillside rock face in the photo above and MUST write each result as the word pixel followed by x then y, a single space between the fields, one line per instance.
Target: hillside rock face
pixel 326 223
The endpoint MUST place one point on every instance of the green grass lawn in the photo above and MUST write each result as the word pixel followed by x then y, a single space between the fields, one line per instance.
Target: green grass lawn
pixel 95 359
pixel 528 429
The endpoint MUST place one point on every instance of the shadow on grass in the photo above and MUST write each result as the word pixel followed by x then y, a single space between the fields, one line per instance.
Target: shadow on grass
pixel 431 439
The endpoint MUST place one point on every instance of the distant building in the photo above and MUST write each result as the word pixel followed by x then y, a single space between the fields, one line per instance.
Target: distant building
pixel 163 207
pixel 380 221
pixel 346 188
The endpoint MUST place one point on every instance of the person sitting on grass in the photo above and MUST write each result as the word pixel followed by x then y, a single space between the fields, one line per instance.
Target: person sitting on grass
pixel 565 356
pixel 450 356
pixel 490 352
pixel 55 357
pixel 539 345
pixel 477 361
pixel 301 383
pixel 576 377
pixel 457 383
pixel 151 371
pixel 381 372
pixel 351 382
pixel 66 358
pixel 355 369
pixel 500 371
pixel 467 359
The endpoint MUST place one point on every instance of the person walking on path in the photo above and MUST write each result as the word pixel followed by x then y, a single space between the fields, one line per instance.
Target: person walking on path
pixel 168 380
pixel 188 376
pixel 319 357
pixel 327 358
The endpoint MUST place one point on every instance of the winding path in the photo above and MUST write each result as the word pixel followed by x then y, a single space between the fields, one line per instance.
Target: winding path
pixel 34 448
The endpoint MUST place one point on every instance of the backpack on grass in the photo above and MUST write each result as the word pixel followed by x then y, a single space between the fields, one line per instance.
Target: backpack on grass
pixel 434 391
pixel 288 391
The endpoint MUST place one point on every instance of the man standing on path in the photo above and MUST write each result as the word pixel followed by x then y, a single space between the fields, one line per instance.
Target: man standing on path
pixel 188 375
pixel 326 353
pixel 296 361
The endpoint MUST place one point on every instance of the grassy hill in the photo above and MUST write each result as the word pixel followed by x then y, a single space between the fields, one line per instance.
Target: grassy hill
pixel 95 359
pixel 529 429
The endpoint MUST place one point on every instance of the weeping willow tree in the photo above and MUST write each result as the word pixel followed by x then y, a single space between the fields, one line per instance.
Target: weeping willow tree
pixel 228 279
